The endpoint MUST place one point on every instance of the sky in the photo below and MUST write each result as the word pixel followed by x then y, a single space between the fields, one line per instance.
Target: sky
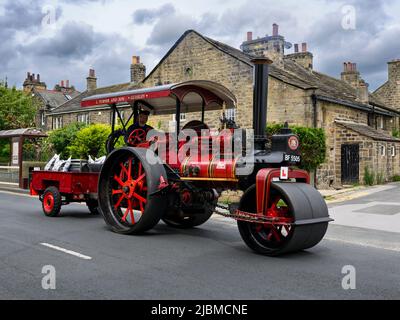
pixel 62 40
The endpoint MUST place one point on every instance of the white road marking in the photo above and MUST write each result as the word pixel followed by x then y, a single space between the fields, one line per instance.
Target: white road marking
pixel 364 244
pixel 73 253
pixel 18 194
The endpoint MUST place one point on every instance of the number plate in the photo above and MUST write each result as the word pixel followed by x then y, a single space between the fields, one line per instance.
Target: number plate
pixel 292 158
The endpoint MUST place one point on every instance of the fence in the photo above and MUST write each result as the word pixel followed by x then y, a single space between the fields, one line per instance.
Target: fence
pixel 9 174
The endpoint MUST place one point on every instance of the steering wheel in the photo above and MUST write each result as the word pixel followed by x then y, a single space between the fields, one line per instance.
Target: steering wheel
pixel 137 136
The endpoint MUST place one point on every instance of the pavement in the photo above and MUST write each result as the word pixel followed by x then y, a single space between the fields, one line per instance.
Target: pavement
pixel 208 262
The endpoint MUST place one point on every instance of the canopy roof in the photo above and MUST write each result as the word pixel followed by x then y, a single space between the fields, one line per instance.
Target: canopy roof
pixel 162 99
pixel 25 132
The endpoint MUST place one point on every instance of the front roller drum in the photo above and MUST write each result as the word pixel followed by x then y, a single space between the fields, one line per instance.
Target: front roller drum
pixel 302 214
pixel 130 190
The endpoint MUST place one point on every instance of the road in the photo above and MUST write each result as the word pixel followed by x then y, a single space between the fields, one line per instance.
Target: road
pixel 209 262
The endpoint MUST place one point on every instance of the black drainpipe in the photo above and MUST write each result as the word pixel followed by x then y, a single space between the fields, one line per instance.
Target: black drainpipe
pixel 314 103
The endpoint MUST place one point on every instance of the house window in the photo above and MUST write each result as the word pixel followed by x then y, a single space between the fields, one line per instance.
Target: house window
pixel 231 114
pixel 393 151
pixel 42 119
pixel 382 123
pixel 57 122
pixel 182 117
pixel 382 151
pixel 84 118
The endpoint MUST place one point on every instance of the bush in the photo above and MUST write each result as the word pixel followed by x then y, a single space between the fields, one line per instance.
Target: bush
pixel 396 178
pixel 369 177
pixel 396 133
pixel 91 141
pixel 380 179
pixel 61 139
pixel 312 144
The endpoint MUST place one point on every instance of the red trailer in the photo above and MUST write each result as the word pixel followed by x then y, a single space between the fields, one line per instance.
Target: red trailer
pixel 157 178
pixel 60 188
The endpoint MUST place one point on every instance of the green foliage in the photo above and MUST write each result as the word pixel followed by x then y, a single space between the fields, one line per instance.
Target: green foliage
pixel 312 144
pixel 380 179
pixel 17 109
pixel 396 133
pixel 369 177
pixel 59 140
pixel 396 178
pixel 91 141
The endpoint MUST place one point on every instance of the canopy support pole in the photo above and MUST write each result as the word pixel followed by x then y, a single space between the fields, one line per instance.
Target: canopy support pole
pixel 178 122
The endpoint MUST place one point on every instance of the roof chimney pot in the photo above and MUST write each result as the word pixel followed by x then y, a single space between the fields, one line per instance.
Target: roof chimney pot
pixel 275 30
pixel 296 48
pixel 304 47
pixel 249 36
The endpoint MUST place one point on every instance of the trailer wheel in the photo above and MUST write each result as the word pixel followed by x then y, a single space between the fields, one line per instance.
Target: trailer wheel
pixel 51 202
pixel 130 193
pixel 291 200
pixel 187 220
pixel 93 206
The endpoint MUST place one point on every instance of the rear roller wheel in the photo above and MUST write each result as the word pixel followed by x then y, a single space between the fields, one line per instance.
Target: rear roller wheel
pixel 129 196
pixel 290 202
pixel 51 202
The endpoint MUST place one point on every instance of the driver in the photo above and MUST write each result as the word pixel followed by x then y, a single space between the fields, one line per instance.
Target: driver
pixel 141 123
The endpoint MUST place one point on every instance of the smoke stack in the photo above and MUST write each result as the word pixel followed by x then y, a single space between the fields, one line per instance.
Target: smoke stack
pixel 275 29
pixel 249 36
pixel 260 98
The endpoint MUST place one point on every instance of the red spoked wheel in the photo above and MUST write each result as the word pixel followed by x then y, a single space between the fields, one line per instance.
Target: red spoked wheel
pixel 51 202
pixel 130 197
pixel 288 203
pixel 136 137
pixel 129 193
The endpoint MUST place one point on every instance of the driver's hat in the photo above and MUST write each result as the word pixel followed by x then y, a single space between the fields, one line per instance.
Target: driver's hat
pixel 146 112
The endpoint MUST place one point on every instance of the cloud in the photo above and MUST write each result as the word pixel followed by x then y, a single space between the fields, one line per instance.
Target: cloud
pixel 73 41
pixel 143 16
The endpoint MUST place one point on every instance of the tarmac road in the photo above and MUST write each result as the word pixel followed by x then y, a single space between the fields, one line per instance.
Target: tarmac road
pixel 209 262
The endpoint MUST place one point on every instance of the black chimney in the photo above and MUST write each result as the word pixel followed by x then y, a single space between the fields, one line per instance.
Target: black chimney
pixel 260 99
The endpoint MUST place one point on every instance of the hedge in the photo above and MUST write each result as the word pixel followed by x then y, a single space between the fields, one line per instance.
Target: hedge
pixel 312 144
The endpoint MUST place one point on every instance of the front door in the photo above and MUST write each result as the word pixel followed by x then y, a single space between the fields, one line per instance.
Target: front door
pixel 350 163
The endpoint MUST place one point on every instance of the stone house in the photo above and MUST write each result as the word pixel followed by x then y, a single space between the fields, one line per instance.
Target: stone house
pixel 358 124
pixel 47 100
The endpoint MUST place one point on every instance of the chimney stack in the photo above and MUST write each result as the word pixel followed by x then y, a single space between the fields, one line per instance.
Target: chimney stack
pixel 275 30
pixel 91 81
pixel 350 74
pixel 394 71
pixel 138 70
pixel 362 92
pixel 249 36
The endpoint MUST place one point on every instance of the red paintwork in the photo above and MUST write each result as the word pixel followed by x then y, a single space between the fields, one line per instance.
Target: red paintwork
pixel 263 183
pixel 48 202
pixel 126 98
pixel 68 183
pixel 131 190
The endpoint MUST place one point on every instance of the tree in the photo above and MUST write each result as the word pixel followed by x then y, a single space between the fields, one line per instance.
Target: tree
pixel 17 108
pixel 61 139
pixel 90 141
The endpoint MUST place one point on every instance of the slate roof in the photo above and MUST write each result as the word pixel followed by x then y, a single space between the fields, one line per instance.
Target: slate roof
pixel 74 105
pixel 367 131
pixel 52 98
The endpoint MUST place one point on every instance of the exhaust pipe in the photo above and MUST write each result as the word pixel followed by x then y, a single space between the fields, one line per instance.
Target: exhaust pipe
pixel 260 99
